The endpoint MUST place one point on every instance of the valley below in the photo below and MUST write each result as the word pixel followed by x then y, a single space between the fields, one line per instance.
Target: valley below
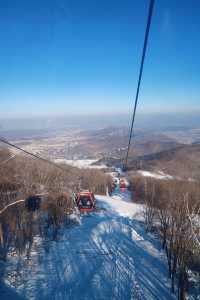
pixel 106 254
pixel 172 151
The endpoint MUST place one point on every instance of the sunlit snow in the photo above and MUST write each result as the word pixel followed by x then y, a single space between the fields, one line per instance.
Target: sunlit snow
pixel 108 255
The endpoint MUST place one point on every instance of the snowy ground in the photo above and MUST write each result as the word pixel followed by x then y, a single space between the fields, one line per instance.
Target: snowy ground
pixel 81 163
pixel 107 256
pixel 158 175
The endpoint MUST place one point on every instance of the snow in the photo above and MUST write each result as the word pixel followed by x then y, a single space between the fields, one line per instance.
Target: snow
pixel 158 175
pixel 107 256
pixel 81 163
pixel 162 176
pixel 123 208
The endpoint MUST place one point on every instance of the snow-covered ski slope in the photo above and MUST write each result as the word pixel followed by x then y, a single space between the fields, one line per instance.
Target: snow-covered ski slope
pixel 107 256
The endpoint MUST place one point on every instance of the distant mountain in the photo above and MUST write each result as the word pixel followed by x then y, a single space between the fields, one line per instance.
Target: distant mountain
pixel 181 161
pixel 112 142
pixel 150 150
pixel 183 135
pixel 26 134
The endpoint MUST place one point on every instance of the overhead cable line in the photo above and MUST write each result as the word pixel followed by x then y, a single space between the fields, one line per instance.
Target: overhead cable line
pixel 8 159
pixel 139 79
pixel 3 140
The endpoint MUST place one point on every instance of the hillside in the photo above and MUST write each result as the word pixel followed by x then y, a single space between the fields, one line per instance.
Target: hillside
pixel 73 144
pixel 27 176
pixel 180 161
pixel 65 244
pixel 107 255
pixel 112 141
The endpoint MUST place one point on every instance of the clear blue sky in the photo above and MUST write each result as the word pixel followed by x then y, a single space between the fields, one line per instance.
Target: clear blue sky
pixel 75 56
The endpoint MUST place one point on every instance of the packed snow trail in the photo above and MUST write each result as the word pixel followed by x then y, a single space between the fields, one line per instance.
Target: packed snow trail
pixel 107 256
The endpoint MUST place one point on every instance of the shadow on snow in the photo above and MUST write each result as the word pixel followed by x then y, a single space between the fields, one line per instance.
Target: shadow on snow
pixel 100 259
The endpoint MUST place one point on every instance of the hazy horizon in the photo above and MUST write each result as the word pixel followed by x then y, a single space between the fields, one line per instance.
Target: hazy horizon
pixel 94 121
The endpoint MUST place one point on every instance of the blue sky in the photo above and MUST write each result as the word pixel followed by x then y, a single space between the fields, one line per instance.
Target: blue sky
pixel 82 57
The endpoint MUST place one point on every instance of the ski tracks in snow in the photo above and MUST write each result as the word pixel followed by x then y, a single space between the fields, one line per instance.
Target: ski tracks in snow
pixel 107 256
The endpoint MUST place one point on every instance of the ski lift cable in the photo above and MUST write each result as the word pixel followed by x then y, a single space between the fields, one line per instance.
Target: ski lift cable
pixel 3 140
pixel 149 18
pixel 11 156
pixel 8 159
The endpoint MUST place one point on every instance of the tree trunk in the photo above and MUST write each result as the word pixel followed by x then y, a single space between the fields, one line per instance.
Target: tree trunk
pixel 168 261
pixel 182 285
pixel 173 274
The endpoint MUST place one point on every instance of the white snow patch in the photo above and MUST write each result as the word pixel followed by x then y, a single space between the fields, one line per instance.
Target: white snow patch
pixel 121 205
pixel 158 175
pixel 136 236
pixel 80 163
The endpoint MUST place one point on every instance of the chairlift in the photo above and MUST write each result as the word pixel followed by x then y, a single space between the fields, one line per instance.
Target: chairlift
pixel 85 201
pixel 33 203
pixel 122 185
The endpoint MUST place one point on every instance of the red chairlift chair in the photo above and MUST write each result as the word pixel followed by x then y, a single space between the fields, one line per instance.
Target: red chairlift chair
pixel 122 185
pixel 85 201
